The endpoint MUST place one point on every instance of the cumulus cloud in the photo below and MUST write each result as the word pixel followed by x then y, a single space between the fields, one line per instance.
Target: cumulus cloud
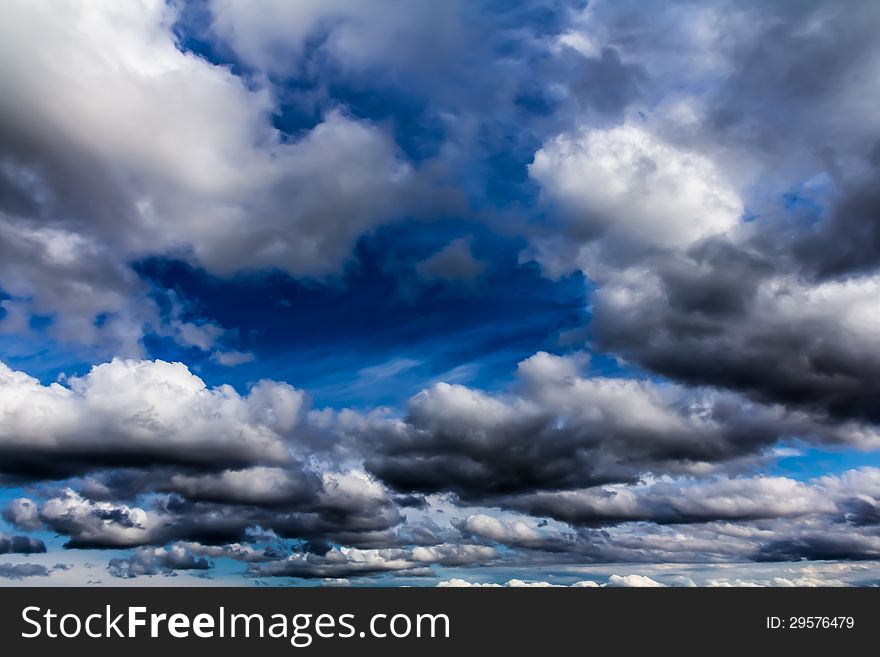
pixel 23 570
pixel 202 512
pixel 566 431
pixel 704 275
pixel 654 464
pixel 140 412
pixel 624 192
pixel 760 518
pixel 154 561
pixel 260 486
pixel 118 145
pixel 20 545
pixel 516 533
pixel 102 524
pixel 350 562
pixel 636 581
pixel 22 513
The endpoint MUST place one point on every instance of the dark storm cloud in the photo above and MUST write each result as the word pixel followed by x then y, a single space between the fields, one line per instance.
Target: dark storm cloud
pixel 770 308
pixel 847 241
pixel 21 545
pixel 832 545
pixel 776 339
pixel 570 431
pixel 347 508
pixel 793 65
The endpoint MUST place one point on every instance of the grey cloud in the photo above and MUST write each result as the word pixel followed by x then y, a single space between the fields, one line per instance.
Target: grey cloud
pixel 781 341
pixel 829 545
pixel 758 518
pixel 21 545
pixel 686 288
pixel 454 262
pixel 236 551
pixel 155 561
pixel 570 431
pixel 349 508
pixel 23 570
pixel 228 194
pixel 22 513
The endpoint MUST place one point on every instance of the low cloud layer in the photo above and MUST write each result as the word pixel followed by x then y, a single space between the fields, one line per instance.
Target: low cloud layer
pixel 566 467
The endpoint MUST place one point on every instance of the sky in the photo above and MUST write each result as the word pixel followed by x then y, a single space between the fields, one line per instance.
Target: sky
pixel 345 293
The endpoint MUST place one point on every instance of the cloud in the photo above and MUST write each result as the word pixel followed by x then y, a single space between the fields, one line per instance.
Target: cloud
pixel 22 513
pixel 613 581
pixel 568 431
pixel 23 570
pixel 232 358
pixel 119 146
pixel 155 561
pixel 140 412
pixel 21 545
pixel 260 486
pixel 759 518
pixel 689 575
pixel 681 502
pixel 710 169
pixel 819 339
pixel 454 262
pixel 653 464
pixel 639 581
pixel 102 524
pixel 405 36
pixel 345 507
pixel 704 273
pixel 235 551
pixel 349 562
pixel 632 193
pixel 515 533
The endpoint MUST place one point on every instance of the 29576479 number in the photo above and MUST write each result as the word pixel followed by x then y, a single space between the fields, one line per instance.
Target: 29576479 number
pixel 810 623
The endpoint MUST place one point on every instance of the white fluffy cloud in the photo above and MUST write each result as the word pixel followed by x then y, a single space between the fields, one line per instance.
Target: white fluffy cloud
pixel 106 524
pixel 123 146
pixel 144 410
pixel 640 581
pixel 629 189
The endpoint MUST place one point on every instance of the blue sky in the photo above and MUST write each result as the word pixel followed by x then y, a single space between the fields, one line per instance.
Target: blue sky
pixel 402 293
